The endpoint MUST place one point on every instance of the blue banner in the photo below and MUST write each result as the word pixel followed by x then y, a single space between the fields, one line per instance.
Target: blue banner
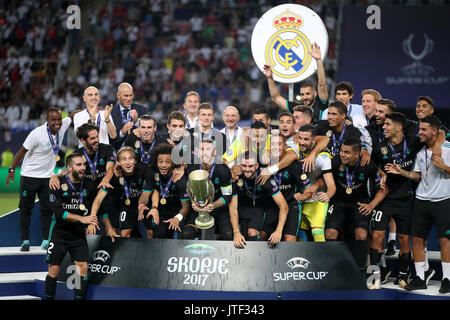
pixel 406 58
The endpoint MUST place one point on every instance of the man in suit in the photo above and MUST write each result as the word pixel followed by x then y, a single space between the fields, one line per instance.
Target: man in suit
pixel 125 113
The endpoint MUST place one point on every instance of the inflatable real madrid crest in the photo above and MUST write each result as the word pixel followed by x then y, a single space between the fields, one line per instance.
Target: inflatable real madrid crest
pixel 282 38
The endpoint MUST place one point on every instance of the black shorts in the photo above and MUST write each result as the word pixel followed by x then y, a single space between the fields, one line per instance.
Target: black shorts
pixel 399 209
pixel 427 213
pixel 342 216
pixel 59 246
pixel 292 221
pixel 128 218
pixel 253 217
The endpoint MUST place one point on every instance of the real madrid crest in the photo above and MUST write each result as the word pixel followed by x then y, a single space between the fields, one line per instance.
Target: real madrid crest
pixel 341 168
pixel 240 183
pixel 64 187
pixel 282 38
pixel 329 133
pixel 156 176
pixel 121 180
pixel 137 144
pixel 384 150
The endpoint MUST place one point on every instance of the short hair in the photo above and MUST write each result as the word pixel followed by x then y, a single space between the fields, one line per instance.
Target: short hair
pixel 372 92
pixel 192 93
pixel 52 109
pixel 307 84
pixel 340 106
pixel 354 143
pixel 308 128
pixel 389 103
pixel 433 121
pixel 287 114
pixel 344 85
pixel 262 111
pixel 307 111
pixel 277 135
pixel 250 155
pixel 397 117
pixel 70 157
pixel 206 106
pixel 84 129
pixel 126 149
pixel 146 117
pixel 258 125
pixel 427 99
pixel 176 115
pixel 163 148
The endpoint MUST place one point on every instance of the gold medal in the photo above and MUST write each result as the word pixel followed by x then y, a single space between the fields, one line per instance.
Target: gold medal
pixel 240 183
pixel 137 144
pixel 163 201
pixel 64 187
pixel 82 207
pixel 348 191
pixel 57 158
pixel 384 150
pixel 303 176
pixel 121 179
pixel 329 133
pixel 127 202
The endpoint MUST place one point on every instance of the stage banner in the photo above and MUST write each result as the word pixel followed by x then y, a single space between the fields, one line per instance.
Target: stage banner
pixel 408 56
pixel 218 265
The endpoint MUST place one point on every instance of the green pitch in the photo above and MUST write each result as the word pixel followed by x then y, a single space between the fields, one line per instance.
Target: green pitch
pixel 8 202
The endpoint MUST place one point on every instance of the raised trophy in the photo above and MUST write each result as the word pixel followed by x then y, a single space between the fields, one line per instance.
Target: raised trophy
pixel 201 191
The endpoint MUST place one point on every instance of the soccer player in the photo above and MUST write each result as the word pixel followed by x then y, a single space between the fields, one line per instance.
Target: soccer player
pixel 401 150
pixel 92 114
pixel 70 206
pixel 344 93
pixel 317 100
pixel 40 152
pixel 290 180
pixel 126 186
pixel 431 203
pixel 145 138
pixel 351 207
pixel 176 123
pixel 261 114
pixel 172 205
pixel 303 115
pixel 219 207
pixel 314 210
pixel 251 195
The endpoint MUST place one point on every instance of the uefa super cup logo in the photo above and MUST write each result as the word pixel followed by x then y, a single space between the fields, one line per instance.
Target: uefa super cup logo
pixel 417 68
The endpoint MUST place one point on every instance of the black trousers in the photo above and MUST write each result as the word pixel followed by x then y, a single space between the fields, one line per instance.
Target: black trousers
pixel 29 187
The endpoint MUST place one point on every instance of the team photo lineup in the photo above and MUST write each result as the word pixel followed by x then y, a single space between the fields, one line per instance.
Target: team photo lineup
pixel 342 170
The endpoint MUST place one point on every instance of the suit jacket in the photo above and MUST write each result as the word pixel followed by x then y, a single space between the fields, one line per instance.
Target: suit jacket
pixel 118 122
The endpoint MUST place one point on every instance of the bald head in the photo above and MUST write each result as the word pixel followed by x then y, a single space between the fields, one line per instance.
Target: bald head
pixel 231 117
pixel 125 94
pixel 91 97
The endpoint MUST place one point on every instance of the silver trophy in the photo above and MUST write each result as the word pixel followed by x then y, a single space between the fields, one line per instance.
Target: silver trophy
pixel 201 191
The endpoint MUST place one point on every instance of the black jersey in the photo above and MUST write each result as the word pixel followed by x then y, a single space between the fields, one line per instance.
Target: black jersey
pixel 336 138
pixel 377 134
pixel 252 194
pixel 404 155
pixel 290 181
pixel 192 143
pixel 350 192
pixel 318 108
pixel 130 188
pixel 221 179
pixel 173 193
pixel 74 198
pixel 97 162
pixel 142 149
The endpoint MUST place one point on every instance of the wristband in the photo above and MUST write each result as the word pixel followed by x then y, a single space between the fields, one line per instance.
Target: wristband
pixel 273 169
pixel 179 217
pixel 155 207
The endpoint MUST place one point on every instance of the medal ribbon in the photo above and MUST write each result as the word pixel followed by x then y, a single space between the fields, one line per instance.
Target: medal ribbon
pixel 55 146
pixel 92 164
pixel 337 144
pixel 99 119
pixel 126 189
pixel 254 188
pixel 71 185
pixel 395 153
pixel 212 170
pixel 165 191
pixel 350 176
pixel 146 158
pixel 127 118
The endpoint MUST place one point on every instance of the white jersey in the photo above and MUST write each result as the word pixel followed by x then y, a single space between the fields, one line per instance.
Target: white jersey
pixel 322 164
pixel 435 183
pixel 83 117
pixel 39 161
